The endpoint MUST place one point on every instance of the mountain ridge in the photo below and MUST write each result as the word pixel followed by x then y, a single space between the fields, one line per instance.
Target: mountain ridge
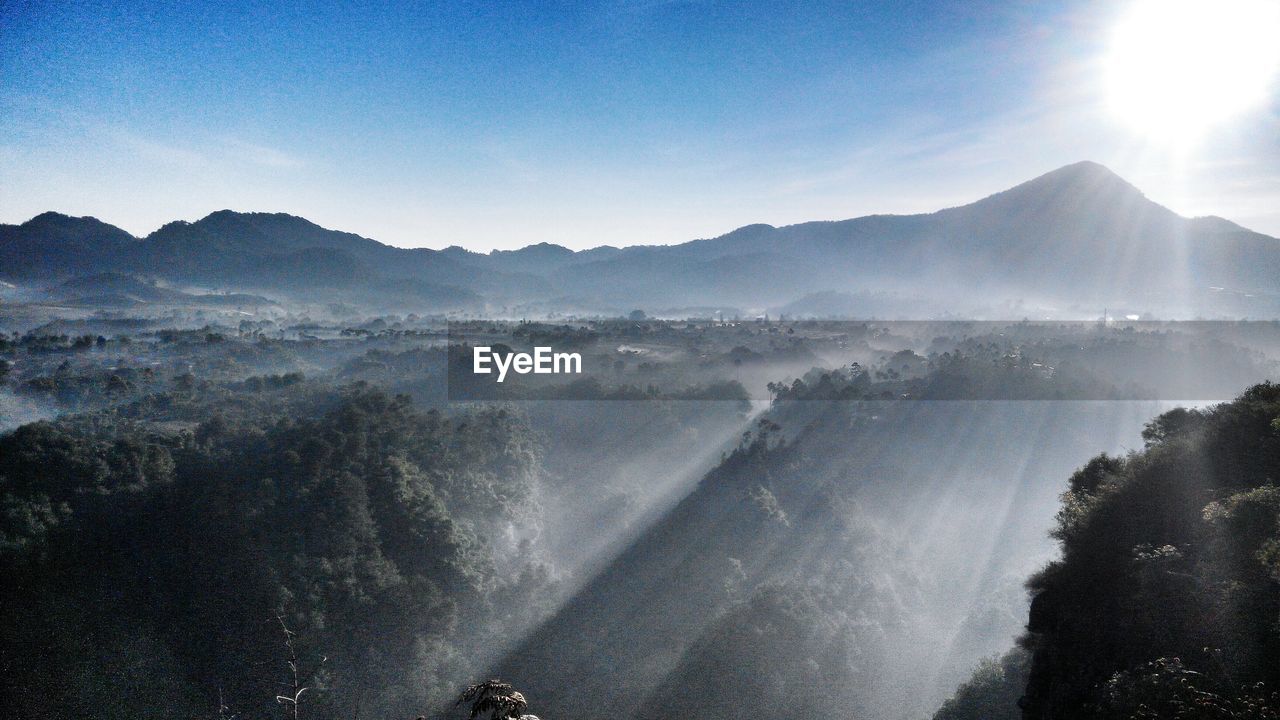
pixel 1079 234
pixel 220 215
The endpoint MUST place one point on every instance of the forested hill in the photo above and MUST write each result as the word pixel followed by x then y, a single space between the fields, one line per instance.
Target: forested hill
pixel 197 525
pixel 1077 237
pixel 853 555
pixel 163 573
pixel 1165 602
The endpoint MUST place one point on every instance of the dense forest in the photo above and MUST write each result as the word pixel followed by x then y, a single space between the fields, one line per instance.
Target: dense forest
pixel 263 521
pixel 1165 602
pixel 375 547
pixel 859 555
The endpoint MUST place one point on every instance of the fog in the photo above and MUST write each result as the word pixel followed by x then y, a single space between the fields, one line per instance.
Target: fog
pixel 780 515
pixel 917 522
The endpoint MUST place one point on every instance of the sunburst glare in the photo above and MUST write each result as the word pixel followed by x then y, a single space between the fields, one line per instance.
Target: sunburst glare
pixel 1176 68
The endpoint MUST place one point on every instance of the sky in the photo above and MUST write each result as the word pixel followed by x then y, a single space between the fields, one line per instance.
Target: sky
pixel 500 125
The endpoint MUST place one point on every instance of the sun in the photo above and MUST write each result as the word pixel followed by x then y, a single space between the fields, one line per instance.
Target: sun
pixel 1176 68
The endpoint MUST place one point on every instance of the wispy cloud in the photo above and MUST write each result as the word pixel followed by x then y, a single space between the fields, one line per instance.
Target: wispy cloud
pixel 262 155
pixel 156 151
pixel 218 151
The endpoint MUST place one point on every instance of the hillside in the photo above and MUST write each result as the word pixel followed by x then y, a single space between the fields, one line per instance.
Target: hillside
pixel 1165 598
pixel 121 290
pixel 614 549
pixel 856 555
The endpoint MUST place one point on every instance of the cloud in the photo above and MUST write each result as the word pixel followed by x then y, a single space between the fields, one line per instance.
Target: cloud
pixel 160 152
pixel 224 151
pixel 263 155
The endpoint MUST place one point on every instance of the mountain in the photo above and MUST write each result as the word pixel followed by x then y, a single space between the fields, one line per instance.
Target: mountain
pixel 52 245
pixel 273 253
pixel 1077 235
pixel 1077 239
pixel 120 290
pixel 297 257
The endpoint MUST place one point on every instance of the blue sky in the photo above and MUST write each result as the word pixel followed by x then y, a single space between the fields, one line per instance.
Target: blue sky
pixel 505 124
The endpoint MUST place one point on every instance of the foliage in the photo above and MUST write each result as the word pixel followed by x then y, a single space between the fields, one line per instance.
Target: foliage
pixel 1165 689
pixel 992 692
pixel 386 539
pixel 497 699
pixel 1167 597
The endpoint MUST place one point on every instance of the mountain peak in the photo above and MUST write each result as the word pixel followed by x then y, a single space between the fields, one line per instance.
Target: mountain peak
pixel 1083 175
pixel 70 226
pixel 223 217
pixel 49 216
pixel 1071 188
pixel 1083 171
pixel 281 232
pixel 1083 166
pixel 542 249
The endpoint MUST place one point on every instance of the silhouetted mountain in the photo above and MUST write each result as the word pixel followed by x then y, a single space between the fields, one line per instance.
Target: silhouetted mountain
pixel 275 253
pixel 1078 235
pixel 1077 238
pixel 51 245
pixel 283 252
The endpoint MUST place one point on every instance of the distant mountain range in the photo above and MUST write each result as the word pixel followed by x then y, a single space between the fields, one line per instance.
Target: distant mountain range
pixel 1075 240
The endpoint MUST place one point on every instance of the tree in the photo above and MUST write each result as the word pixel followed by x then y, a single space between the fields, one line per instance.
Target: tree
pixel 295 687
pixel 497 699
pixel 992 692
